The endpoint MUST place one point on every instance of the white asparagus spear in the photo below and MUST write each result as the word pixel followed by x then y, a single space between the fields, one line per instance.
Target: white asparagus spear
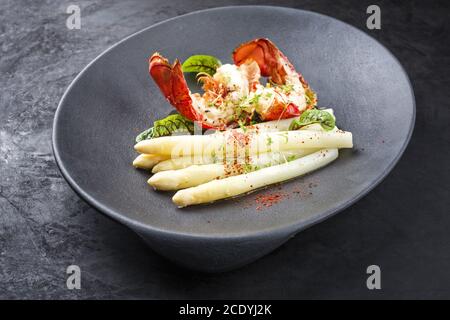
pixel 187 177
pixel 176 146
pixel 184 162
pixel 233 186
pixel 255 160
pixel 147 161
pixel 197 174
pixel 158 163
pixel 210 145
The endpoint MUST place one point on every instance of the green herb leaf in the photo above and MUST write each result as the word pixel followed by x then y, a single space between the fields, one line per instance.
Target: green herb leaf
pixel 167 126
pixel 311 116
pixel 201 63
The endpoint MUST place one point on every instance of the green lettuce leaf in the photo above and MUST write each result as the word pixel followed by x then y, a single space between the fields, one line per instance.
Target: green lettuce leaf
pixel 167 126
pixel 324 118
pixel 201 63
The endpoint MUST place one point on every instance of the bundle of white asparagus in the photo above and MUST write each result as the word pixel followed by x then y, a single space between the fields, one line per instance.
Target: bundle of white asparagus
pixel 205 168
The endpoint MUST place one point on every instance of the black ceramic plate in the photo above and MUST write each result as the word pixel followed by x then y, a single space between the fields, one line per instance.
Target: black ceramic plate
pixel 113 99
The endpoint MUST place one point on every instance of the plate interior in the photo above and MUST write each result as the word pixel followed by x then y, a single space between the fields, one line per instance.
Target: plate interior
pixel 114 99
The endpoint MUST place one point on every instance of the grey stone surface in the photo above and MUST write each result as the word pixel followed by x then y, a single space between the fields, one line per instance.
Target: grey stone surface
pixel 402 225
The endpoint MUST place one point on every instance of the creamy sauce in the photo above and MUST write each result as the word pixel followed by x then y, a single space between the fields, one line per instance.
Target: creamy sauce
pixel 297 94
pixel 234 80
pixel 212 114
pixel 240 95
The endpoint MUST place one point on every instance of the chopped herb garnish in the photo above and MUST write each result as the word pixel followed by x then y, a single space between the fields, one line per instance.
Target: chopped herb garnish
pixel 255 99
pixel 311 97
pixel 214 156
pixel 291 157
pixel 287 88
pixel 242 125
pixel 248 168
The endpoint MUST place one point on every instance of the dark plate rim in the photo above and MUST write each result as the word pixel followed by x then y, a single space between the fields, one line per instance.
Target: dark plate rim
pixel 286 229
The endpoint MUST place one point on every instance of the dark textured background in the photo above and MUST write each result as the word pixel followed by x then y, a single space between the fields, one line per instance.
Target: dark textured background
pixel 403 225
